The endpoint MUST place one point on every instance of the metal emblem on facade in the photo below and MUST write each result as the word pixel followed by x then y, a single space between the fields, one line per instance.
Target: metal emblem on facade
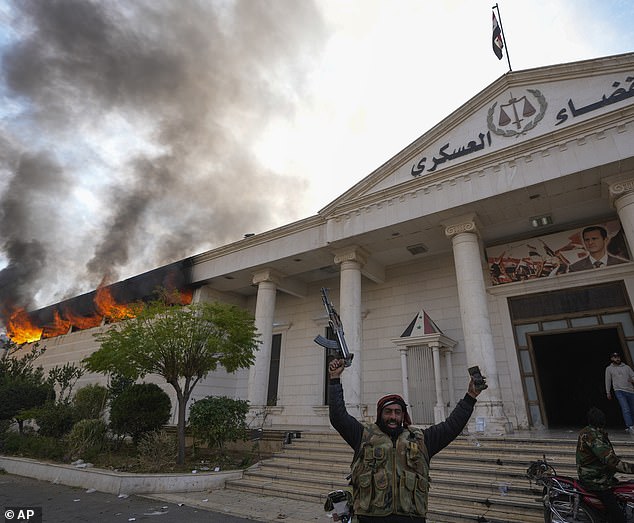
pixel 518 115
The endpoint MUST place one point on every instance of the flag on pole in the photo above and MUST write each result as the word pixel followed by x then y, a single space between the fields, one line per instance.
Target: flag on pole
pixel 498 44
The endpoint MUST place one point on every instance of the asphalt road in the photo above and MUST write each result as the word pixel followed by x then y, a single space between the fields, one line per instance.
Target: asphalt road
pixel 62 504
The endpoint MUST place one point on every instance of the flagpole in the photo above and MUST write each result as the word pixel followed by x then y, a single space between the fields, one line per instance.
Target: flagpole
pixel 506 47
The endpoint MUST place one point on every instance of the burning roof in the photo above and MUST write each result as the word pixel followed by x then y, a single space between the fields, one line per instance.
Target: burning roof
pixel 107 303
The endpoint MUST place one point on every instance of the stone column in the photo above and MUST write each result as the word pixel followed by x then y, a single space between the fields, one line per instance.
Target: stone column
pixel 475 317
pixel 350 261
pixel 439 408
pixel 404 375
pixel 267 281
pixel 622 194
pixel 450 383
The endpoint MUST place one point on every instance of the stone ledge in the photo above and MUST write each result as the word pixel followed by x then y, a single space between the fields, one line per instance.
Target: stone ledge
pixel 116 482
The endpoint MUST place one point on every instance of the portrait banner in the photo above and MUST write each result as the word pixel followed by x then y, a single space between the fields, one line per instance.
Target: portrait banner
pixel 592 247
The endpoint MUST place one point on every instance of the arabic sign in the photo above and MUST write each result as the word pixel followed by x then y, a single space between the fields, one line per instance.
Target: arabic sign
pixel 619 94
pixel 443 156
pixel 521 112
pixel 549 256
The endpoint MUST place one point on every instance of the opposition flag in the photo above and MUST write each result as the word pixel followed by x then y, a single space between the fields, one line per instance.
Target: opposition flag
pixel 498 44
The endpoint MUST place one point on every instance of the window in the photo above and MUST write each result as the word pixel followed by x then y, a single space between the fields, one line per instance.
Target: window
pixel 274 370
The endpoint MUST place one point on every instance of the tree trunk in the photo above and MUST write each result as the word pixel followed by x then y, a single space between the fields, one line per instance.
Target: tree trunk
pixel 182 404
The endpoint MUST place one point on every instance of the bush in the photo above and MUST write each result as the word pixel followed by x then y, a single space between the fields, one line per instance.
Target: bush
pixel 90 401
pixel 156 451
pixel 22 395
pixel 87 438
pixel 53 419
pixel 139 409
pixel 116 385
pixel 33 446
pixel 219 419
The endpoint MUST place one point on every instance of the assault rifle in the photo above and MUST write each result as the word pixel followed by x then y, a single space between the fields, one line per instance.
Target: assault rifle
pixel 337 328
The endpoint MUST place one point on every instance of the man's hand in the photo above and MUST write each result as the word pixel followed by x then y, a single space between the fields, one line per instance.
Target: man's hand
pixel 473 391
pixel 335 368
pixel 609 396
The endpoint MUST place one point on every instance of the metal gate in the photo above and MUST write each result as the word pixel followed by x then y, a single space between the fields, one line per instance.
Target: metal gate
pixel 421 386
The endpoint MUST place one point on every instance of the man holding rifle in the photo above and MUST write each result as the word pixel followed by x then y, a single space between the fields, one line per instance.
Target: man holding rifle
pixel 390 468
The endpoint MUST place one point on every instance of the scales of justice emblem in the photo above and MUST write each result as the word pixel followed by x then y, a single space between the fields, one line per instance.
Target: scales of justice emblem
pixel 518 115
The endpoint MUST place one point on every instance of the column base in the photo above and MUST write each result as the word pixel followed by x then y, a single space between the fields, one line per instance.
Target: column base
pixel 440 414
pixel 257 417
pixel 488 418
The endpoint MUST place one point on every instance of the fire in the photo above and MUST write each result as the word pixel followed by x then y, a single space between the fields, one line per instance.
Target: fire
pixel 186 296
pixel 82 322
pixel 59 326
pixel 108 307
pixel 21 329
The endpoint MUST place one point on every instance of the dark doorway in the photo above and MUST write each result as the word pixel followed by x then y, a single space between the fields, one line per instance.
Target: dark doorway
pixel 570 372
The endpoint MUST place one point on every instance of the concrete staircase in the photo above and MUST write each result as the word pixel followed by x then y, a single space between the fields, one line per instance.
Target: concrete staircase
pixel 481 478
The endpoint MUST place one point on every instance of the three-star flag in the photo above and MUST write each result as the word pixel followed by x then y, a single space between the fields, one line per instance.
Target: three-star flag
pixel 498 44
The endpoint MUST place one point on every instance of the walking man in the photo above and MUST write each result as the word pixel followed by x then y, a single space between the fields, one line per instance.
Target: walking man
pixel 620 377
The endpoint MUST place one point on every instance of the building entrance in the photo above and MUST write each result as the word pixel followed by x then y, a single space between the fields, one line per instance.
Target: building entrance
pixel 563 340
pixel 570 375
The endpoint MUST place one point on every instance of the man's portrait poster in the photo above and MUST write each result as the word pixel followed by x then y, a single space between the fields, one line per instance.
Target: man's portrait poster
pixel 594 246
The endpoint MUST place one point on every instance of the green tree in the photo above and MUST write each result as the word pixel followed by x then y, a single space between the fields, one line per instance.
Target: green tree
pixel 22 383
pixel 180 343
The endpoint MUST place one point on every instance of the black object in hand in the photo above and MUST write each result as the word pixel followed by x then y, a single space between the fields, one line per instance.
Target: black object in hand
pixel 478 379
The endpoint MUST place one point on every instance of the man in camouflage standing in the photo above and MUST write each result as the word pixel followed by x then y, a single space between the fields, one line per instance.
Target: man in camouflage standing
pixel 597 463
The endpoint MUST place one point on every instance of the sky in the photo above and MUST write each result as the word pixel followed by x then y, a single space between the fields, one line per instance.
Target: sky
pixel 135 134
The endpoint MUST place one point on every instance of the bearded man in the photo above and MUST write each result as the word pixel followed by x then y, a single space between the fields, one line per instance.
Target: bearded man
pixel 390 468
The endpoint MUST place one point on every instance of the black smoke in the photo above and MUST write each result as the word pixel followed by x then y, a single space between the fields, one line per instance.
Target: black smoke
pixel 127 131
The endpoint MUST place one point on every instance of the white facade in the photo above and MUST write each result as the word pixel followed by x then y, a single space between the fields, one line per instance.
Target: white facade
pixel 412 236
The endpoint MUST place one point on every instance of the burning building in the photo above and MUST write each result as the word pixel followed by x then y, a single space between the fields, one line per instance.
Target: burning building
pixel 487 225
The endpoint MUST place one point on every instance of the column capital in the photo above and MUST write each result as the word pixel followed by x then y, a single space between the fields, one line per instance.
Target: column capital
pixel 267 274
pixel 620 186
pixel 460 224
pixel 352 253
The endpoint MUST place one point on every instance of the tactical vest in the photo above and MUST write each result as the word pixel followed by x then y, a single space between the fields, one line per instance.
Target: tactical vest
pixel 388 478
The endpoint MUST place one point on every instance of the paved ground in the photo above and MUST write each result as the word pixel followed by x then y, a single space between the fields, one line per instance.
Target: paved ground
pixel 63 504
pixel 251 506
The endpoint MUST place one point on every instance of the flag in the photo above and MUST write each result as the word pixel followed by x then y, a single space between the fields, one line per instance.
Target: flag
pixel 498 44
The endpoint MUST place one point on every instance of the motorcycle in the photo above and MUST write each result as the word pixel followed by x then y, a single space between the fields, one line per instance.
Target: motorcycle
pixel 567 501
pixel 339 505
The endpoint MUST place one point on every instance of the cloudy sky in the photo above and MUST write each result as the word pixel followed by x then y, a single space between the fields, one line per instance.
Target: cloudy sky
pixel 137 133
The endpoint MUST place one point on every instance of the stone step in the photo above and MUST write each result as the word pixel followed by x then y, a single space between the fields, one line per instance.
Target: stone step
pixel 445 506
pixel 473 479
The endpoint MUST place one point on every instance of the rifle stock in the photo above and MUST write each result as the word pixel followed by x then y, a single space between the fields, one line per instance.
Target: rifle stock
pixel 334 321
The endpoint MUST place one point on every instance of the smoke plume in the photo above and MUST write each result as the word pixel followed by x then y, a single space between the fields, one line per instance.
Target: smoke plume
pixel 127 129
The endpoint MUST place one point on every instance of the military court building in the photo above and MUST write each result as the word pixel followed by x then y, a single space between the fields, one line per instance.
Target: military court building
pixel 474 245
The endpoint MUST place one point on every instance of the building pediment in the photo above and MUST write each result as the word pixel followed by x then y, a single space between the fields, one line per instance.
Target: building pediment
pixel 515 113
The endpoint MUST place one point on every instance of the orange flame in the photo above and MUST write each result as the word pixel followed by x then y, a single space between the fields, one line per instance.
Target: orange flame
pixel 21 329
pixel 59 326
pixel 108 307
pixel 82 322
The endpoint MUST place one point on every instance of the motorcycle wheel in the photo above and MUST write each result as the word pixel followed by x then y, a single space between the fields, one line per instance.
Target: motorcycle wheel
pixel 564 509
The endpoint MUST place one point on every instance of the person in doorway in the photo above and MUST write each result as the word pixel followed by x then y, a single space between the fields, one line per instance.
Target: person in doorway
pixel 390 468
pixel 595 240
pixel 597 463
pixel 620 377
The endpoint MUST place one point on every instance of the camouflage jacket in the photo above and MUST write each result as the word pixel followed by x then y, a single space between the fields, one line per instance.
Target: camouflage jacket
pixel 596 460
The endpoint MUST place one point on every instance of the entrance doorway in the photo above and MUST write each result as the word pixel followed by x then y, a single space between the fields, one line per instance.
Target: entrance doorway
pixel 570 372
